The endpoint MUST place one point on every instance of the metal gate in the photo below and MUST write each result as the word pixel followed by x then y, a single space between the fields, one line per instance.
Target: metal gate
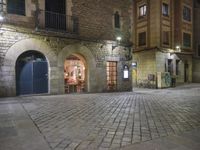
pixel 31 76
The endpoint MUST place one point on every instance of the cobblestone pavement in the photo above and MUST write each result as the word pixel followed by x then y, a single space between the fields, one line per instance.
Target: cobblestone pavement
pixel 113 120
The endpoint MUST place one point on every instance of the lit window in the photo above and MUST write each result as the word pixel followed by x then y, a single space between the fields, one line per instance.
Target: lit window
pixel 16 7
pixel 111 68
pixel 186 40
pixel 166 37
pixel 125 72
pixel 142 10
pixel 142 39
pixel 165 9
pixel 117 19
pixel 186 13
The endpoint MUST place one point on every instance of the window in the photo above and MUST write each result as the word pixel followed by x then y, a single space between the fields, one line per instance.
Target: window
pixel 16 7
pixel 186 40
pixel 177 67
pixel 166 37
pixel 125 72
pixel 142 10
pixel 111 68
pixel 165 9
pixel 117 19
pixel 142 39
pixel 186 13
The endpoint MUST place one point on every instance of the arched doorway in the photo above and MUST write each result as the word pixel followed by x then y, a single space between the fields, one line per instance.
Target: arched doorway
pixel 31 73
pixel 74 74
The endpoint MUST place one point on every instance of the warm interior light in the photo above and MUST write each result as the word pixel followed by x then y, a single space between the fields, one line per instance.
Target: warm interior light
pixel 177 47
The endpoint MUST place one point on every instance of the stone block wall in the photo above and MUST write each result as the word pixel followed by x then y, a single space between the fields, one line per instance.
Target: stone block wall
pixel 146 64
pixel 96 18
pixel 15 40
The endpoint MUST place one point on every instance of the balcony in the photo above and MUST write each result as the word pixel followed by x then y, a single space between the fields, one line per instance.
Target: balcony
pixel 56 22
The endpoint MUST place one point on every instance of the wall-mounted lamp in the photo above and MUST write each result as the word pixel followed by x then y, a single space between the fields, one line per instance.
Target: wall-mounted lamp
pixel 118 39
pixel 178 48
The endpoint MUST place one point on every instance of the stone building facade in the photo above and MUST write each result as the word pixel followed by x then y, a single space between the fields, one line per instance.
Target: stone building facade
pixel 163 35
pixel 196 58
pixel 36 38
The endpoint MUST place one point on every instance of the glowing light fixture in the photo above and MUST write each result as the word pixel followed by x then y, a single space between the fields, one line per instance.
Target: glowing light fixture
pixel 119 38
pixel 178 48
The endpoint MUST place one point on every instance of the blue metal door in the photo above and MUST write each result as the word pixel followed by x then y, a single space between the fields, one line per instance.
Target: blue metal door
pixel 31 73
pixel 24 78
pixel 40 77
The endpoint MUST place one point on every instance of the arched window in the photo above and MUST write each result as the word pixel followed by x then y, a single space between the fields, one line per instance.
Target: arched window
pixel 117 19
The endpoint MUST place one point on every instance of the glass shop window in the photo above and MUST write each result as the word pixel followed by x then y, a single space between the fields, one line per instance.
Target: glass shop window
pixel 125 72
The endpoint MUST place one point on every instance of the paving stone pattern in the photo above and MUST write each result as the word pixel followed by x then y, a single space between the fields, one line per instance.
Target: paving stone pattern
pixel 113 120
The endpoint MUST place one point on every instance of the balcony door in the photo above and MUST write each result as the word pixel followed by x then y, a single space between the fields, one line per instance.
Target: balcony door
pixel 55 14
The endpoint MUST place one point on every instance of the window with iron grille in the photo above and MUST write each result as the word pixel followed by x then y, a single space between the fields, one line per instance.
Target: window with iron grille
pixel 143 10
pixel 165 9
pixel 117 19
pixel 16 7
pixel 111 68
pixel 166 37
pixel 142 39
pixel 186 40
pixel 186 13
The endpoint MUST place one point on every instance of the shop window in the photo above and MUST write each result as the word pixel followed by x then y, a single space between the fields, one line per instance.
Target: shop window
pixel 186 13
pixel 16 7
pixel 126 72
pixel 142 39
pixel 117 19
pixel 177 67
pixel 186 40
pixel 166 37
pixel 165 9
pixel 111 68
pixel 143 10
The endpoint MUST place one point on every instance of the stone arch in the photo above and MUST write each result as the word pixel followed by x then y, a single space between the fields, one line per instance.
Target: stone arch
pixel 80 51
pixel 15 51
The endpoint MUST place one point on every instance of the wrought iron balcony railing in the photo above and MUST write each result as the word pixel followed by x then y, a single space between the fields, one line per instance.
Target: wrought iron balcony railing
pixel 57 22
